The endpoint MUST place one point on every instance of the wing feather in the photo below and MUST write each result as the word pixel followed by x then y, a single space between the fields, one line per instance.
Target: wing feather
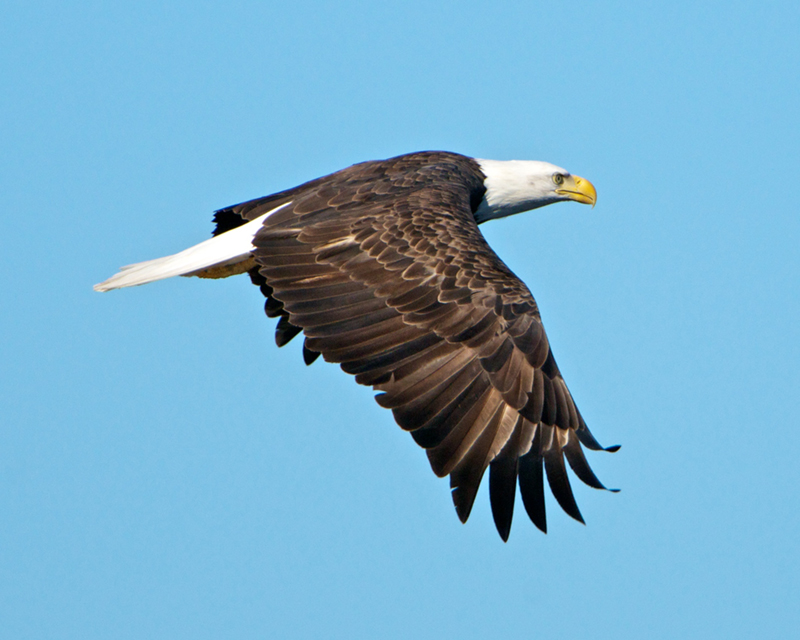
pixel 557 477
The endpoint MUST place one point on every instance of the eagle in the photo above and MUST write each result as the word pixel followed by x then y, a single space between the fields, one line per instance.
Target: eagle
pixel 383 269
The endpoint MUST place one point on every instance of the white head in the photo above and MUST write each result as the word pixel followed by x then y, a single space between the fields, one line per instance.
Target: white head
pixel 513 186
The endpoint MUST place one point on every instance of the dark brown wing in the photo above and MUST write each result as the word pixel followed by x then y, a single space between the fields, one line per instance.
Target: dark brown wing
pixel 383 268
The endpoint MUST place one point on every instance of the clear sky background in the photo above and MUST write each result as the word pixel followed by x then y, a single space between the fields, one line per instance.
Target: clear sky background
pixel 167 472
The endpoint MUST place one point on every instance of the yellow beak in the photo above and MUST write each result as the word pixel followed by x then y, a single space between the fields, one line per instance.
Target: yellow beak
pixel 578 189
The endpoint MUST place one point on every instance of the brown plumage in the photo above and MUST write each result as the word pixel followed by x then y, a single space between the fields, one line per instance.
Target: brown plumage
pixel 383 268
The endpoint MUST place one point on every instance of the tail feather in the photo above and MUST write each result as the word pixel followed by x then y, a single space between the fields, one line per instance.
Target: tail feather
pixel 213 258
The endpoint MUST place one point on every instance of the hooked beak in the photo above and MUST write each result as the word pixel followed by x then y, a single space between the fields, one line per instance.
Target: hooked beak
pixel 578 189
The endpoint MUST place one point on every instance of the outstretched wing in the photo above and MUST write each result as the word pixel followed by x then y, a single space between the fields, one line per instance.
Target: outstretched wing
pixel 384 270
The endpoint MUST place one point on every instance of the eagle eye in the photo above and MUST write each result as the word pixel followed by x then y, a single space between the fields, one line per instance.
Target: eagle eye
pixel 558 178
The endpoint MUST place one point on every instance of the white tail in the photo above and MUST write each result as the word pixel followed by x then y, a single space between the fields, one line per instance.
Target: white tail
pixel 227 249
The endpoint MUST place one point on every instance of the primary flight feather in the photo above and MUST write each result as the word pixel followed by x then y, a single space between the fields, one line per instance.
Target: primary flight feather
pixel 382 267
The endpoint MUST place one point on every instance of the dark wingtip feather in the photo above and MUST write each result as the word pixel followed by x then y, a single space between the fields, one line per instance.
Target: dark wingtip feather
pixel 272 307
pixel 285 331
pixel 503 492
pixel 586 437
pixel 531 488
pixel 577 461
pixel 309 356
pixel 463 499
pixel 589 441
pixel 559 483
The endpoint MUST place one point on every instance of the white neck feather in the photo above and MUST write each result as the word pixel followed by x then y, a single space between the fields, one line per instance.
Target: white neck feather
pixel 514 186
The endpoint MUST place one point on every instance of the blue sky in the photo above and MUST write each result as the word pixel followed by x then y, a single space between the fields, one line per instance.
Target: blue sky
pixel 166 471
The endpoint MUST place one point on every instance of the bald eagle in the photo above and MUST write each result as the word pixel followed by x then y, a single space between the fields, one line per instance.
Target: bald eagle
pixel 382 267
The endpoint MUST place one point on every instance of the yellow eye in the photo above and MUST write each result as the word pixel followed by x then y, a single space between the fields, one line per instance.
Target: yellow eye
pixel 558 178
